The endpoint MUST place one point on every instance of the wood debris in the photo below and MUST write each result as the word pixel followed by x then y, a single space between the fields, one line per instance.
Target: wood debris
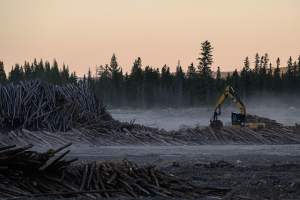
pixel 26 173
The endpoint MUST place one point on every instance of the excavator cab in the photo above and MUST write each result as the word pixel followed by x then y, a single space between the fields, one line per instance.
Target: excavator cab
pixel 238 119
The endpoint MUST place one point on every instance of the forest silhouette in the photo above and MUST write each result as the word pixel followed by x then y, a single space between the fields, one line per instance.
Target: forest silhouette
pixel 147 87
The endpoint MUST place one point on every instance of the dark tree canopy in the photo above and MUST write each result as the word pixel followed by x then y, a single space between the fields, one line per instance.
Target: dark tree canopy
pixel 147 86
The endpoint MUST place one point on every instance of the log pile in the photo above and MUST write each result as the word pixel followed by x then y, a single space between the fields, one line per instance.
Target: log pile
pixel 25 173
pixel 116 133
pixel 244 135
pixel 257 119
pixel 32 110
pixel 37 105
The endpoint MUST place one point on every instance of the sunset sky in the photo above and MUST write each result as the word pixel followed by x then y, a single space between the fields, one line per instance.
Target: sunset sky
pixel 85 33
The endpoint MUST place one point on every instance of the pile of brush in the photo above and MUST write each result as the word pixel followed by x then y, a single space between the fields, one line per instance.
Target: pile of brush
pixel 37 105
pixel 25 173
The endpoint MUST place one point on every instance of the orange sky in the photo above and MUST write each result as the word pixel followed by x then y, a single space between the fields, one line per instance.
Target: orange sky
pixel 85 33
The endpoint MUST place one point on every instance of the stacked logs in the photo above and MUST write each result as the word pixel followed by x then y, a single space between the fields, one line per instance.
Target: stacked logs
pixel 25 173
pixel 116 133
pixel 37 105
pixel 257 119
pixel 31 109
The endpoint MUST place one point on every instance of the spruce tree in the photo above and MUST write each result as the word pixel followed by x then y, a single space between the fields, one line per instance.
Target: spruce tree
pixel 16 74
pixel 116 78
pixel 54 73
pixel 205 59
pixel 73 78
pixel 246 77
pixel 2 73
pixel 90 78
pixel 219 81
pixel 277 75
pixel 28 73
pixel 288 76
pixel 257 64
pixel 65 74
pixel 135 82
pixel 192 84
pixel 204 67
pixel 179 84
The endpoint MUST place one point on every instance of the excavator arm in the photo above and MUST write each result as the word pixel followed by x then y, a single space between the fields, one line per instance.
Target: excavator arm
pixel 237 118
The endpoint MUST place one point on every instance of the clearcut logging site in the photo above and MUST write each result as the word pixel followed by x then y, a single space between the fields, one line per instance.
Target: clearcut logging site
pixel 149 100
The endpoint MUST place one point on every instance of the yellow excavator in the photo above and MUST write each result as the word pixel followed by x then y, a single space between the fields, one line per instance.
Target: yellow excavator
pixel 237 119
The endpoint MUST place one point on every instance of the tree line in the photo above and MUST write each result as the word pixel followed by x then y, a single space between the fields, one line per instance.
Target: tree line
pixel 38 70
pixel 146 87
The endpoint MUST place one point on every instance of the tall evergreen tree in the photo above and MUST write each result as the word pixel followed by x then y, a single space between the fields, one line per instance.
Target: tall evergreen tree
pixel 191 71
pixel 277 76
pixel 205 59
pixel 16 74
pixel 73 78
pixel 289 73
pixel 135 84
pixel 2 73
pixel 54 73
pixel 65 74
pixel 204 67
pixel 116 78
pixel 179 84
pixel 192 84
pixel 257 64
pixel 246 77
pixel 28 71
pixel 89 76
pixel 103 84
pixel 219 81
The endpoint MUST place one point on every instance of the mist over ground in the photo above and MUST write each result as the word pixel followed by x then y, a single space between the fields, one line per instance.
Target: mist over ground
pixel 284 109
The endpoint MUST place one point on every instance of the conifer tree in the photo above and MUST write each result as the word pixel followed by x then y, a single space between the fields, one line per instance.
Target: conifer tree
pixel 219 81
pixel 179 84
pixel 277 75
pixel 28 73
pixel 246 76
pixel 2 73
pixel 205 59
pixel 65 74
pixel 116 78
pixel 16 74
pixel 54 73
pixel 204 67
pixel 192 84
pixel 257 64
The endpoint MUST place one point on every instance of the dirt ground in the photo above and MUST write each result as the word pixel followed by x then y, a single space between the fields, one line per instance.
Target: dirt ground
pixel 250 171
pixel 255 181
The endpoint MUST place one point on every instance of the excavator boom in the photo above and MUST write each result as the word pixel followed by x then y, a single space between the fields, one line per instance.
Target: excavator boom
pixel 237 118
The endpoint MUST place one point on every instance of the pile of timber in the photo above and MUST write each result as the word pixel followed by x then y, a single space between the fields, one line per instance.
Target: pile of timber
pixel 244 135
pixel 25 173
pixel 49 115
pixel 115 133
pixel 37 105
pixel 257 119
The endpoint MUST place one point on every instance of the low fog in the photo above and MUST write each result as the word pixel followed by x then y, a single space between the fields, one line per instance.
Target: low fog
pixel 285 110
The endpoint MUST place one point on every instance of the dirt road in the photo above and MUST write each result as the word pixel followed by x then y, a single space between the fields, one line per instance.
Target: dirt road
pixel 237 153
